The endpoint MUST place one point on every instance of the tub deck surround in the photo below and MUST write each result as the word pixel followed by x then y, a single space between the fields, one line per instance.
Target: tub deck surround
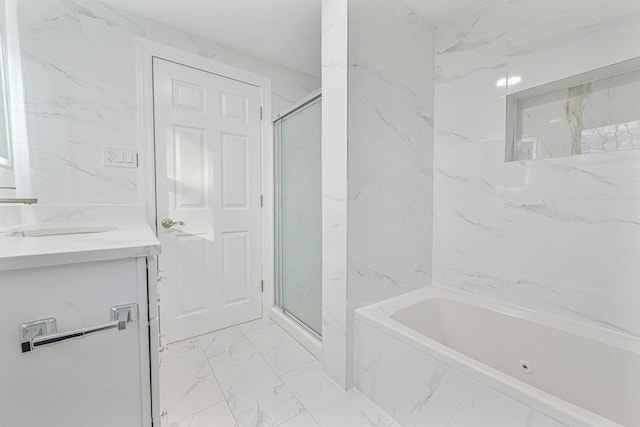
pixel 133 239
pixel 435 354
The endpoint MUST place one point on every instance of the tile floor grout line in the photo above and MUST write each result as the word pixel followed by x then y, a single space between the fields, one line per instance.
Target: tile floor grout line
pixel 257 352
pixel 265 325
pixel 199 411
pixel 297 396
pixel 265 360
pixel 215 377
pixel 245 334
pixel 315 359
pixel 302 407
pixel 199 346
pixel 293 393
pixel 346 392
pixel 314 418
pixel 299 367
pixel 283 330
pixel 308 412
pixel 292 417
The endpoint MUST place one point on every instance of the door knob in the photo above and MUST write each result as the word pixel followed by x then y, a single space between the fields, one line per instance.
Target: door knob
pixel 168 223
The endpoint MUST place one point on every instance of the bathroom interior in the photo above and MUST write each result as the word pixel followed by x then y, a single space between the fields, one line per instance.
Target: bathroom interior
pixel 320 213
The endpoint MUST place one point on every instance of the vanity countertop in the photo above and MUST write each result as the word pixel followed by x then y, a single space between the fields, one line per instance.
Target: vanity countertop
pixel 129 240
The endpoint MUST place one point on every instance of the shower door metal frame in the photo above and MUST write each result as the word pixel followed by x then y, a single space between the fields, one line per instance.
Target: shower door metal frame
pixel 277 294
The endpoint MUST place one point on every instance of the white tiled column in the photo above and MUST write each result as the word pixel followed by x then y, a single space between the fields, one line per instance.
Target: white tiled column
pixel 377 76
pixel 334 189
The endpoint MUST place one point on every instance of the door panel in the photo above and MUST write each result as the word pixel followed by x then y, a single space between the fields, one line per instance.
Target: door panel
pixel 235 171
pixel 188 96
pixel 234 107
pixel 236 267
pixel 191 270
pixel 191 169
pixel 208 177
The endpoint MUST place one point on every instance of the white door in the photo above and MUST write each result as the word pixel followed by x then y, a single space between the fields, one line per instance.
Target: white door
pixel 207 136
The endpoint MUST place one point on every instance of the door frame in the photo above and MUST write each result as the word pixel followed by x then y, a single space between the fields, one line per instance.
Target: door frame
pixel 146 50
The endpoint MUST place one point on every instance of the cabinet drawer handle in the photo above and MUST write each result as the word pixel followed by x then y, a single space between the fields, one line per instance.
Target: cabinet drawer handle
pixel 40 333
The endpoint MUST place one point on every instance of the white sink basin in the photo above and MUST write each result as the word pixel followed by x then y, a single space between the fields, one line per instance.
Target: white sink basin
pixel 56 230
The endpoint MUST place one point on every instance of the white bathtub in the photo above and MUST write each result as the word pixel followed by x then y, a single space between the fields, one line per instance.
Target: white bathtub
pixel 437 357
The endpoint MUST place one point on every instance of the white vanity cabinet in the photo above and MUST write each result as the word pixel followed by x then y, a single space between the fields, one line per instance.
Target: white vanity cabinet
pixel 101 378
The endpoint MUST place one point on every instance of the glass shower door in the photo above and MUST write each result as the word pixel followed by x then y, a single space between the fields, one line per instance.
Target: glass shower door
pixel 298 215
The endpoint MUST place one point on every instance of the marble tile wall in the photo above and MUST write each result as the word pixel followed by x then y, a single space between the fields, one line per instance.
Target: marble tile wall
pixel 334 189
pixel 9 216
pixel 550 40
pixel 557 235
pixel 469 149
pixel 79 77
pixel 377 160
pixel 390 153
pixel 390 147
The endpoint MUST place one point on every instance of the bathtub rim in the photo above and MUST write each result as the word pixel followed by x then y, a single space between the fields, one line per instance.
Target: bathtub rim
pixel 378 316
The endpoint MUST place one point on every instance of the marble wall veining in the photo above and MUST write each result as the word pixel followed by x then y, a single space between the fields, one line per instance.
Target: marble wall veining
pixel 551 40
pixel 469 148
pixel 557 235
pixel 79 85
pixel 377 162
pixel 390 153
pixel 425 391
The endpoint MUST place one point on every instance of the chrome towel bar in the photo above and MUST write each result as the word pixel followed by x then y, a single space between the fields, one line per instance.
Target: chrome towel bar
pixel 43 332
pixel 22 201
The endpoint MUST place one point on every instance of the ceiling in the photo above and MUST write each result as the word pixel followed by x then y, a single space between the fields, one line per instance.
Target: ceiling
pixel 437 12
pixel 286 32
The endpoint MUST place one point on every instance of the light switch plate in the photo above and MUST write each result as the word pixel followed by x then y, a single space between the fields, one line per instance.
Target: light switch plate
pixel 118 157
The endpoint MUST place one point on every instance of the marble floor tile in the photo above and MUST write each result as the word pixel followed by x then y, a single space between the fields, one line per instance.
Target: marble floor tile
pixel 254 325
pixel 179 347
pixel 255 375
pixel 255 394
pixel 329 405
pixel 279 349
pixel 221 342
pixel 302 420
pixel 218 415
pixel 187 384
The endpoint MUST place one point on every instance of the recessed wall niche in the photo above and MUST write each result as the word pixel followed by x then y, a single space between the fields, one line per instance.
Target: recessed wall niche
pixel 593 112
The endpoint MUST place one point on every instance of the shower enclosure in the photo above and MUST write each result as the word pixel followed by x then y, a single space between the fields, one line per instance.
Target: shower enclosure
pixel 298 228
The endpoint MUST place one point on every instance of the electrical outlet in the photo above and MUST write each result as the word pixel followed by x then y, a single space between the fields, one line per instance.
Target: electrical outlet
pixel 119 157
pixel 109 156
